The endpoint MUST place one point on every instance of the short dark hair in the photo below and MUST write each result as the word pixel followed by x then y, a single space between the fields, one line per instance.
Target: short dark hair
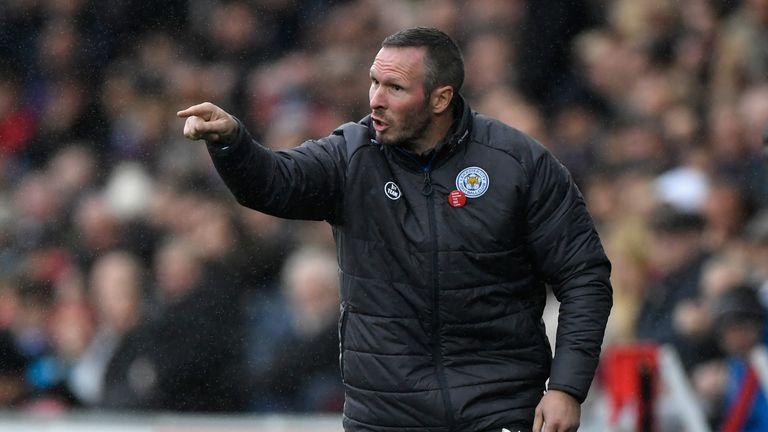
pixel 443 62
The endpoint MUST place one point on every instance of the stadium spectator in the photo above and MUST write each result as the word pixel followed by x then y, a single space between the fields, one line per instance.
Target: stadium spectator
pixel 677 256
pixel 189 345
pixel 116 288
pixel 740 324
pixel 300 331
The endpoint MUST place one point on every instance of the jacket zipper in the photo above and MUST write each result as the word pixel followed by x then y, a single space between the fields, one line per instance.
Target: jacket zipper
pixel 342 333
pixel 437 355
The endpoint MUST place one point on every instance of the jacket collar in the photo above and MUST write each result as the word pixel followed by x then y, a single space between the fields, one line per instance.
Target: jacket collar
pixel 457 137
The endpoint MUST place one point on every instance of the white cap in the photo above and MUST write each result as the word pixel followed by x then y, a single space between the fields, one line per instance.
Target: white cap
pixel 684 188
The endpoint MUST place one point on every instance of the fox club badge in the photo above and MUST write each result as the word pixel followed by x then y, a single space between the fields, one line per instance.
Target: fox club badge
pixel 473 181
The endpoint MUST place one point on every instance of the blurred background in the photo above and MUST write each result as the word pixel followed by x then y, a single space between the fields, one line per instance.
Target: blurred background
pixel 131 281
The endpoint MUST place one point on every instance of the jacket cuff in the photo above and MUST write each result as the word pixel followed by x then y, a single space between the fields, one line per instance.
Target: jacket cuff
pixel 230 143
pixel 579 396
pixel 572 372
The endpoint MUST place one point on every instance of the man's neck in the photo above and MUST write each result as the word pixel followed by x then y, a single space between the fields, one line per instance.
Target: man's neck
pixel 441 127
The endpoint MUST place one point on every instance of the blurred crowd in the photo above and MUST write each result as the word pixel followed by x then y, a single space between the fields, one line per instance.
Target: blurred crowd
pixel 130 279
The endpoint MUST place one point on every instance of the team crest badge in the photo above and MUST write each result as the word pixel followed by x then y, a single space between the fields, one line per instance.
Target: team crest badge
pixel 473 181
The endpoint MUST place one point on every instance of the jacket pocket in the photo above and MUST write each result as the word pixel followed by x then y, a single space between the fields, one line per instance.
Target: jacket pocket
pixel 342 331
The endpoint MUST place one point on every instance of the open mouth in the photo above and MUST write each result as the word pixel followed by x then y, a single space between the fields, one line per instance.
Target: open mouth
pixel 379 125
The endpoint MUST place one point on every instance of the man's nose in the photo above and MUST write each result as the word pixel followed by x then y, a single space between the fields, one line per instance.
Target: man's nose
pixel 377 98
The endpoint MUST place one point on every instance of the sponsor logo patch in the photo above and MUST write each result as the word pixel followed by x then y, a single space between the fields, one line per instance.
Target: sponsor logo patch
pixel 392 191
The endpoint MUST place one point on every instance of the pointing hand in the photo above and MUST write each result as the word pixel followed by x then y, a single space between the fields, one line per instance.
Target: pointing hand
pixel 207 121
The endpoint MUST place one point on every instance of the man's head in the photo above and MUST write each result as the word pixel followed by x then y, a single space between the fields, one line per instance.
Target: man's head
pixel 414 81
pixel 676 238
pixel 116 279
pixel 311 286
pixel 443 62
pixel 739 319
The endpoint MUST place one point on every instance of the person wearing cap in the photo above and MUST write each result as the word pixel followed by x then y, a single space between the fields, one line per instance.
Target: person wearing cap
pixel 449 225
pixel 677 259
pixel 739 323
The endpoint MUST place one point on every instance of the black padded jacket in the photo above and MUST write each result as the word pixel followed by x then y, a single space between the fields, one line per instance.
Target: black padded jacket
pixel 441 306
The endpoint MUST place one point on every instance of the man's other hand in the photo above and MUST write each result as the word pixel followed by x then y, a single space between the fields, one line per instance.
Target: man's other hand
pixel 207 121
pixel 557 412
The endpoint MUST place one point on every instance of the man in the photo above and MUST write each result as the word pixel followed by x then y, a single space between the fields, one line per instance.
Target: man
pixel 187 355
pixel 309 309
pixel 678 257
pixel 448 225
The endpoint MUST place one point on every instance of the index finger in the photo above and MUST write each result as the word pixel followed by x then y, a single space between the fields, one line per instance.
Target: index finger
pixel 202 110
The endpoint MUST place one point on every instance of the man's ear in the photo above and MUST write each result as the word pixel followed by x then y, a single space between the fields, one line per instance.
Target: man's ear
pixel 440 99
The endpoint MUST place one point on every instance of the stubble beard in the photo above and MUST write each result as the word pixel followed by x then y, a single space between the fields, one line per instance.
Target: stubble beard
pixel 408 136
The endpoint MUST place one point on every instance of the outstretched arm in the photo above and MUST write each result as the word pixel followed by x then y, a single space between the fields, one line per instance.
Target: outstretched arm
pixel 301 183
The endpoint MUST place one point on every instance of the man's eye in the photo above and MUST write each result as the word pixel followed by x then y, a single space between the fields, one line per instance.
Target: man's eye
pixel 397 88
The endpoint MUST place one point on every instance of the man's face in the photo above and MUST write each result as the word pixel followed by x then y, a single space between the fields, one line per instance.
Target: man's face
pixel 740 338
pixel 399 108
